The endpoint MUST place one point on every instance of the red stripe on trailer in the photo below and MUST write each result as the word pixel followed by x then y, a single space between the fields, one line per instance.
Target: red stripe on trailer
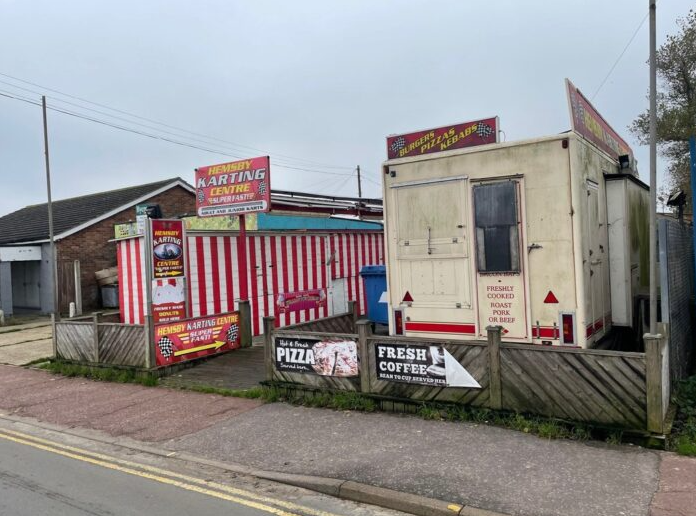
pixel 229 286
pixel 430 327
pixel 254 285
pixel 274 275
pixel 215 274
pixel 305 272
pixel 284 257
pixel 131 289
pixel 315 265
pixel 121 291
pixel 348 273
pixel 324 283
pixel 546 332
pixel 264 276
pixel 340 256
pixel 202 287
pixel 356 273
pixel 139 290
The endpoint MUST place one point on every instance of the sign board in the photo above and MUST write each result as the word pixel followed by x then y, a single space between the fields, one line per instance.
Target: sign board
pixel 300 300
pixel 168 300
pixel 234 188
pixel 193 338
pixel 330 357
pixel 167 248
pixel 129 229
pixel 420 364
pixel 449 137
pixel 587 121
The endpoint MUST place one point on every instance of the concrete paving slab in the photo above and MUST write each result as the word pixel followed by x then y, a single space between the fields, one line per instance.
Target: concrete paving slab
pixel 482 466
pixel 677 493
pixel 20 345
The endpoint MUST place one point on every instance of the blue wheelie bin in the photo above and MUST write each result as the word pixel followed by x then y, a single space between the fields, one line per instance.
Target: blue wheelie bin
pixel 375 280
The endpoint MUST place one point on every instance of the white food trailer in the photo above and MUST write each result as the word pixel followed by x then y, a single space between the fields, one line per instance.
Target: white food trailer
pixel 544 237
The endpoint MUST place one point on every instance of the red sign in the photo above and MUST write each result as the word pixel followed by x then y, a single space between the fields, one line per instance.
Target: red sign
pixel 234 188
pixel 449 137
pixel 168 300
pixel 587 121
pixel 300 300
pixel 167 248
pixel 194 338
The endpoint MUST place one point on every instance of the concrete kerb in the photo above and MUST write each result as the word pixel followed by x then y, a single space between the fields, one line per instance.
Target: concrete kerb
pixel 345 489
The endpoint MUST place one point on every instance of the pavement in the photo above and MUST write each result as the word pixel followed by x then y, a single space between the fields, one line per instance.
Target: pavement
pixel 25 343
pixel 461 464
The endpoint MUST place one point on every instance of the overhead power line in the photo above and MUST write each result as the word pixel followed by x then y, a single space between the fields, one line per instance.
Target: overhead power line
pixel 635 33
pixel 301 161
pixel 158 137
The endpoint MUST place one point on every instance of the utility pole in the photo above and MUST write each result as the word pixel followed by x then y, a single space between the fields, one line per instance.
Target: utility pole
pixel 54 257
pixel 653 172
pixel 359 183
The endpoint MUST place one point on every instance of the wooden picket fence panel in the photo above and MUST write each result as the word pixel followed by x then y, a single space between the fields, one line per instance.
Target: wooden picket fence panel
pixel 122 345
pixel 75 341
pixel 630 390
pixel 342 323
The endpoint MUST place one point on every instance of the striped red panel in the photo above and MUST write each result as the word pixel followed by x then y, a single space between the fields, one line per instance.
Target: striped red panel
pixel 431 327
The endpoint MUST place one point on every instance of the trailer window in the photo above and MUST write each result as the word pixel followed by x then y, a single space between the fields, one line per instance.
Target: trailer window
pixel 497 236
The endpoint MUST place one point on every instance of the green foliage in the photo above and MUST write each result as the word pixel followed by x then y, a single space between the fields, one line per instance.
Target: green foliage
pixel 676 100
pixel 683 439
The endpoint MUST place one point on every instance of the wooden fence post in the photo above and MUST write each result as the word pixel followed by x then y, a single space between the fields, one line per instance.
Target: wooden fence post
pixel 364 328
pixel 495 387
pixel 657 380
pixel 353 309
pixel 268 358
pixel 244 323
pixel 95 338
pixel 54 337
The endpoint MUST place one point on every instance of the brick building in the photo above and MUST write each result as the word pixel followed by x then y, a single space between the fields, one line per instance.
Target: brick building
pixel 83 227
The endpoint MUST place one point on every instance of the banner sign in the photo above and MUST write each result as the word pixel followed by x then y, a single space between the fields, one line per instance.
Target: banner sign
pixel 129 229
pixel 587 121
pixel 300 300
pixel 234 188
pixel 424 365
pixel 330 357
pixel 168 301
pixel 194 338
pixel 167 248
pixel 449 137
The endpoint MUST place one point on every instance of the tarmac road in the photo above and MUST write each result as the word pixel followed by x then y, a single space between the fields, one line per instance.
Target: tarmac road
pixel 40 476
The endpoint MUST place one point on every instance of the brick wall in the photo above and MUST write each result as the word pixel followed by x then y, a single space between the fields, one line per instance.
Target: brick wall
pixel 92 247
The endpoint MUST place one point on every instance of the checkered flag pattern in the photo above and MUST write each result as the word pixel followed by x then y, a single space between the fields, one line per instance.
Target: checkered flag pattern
pixel 262 187
pixel 166 347
pixel 232 333
pixel 398 144
pixel 201 196
pixel 484 130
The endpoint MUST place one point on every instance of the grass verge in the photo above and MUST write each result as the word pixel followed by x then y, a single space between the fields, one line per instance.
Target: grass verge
pixel 104 374
pixel 683 437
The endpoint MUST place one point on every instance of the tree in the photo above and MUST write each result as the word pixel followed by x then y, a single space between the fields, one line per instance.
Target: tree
pixel 676 102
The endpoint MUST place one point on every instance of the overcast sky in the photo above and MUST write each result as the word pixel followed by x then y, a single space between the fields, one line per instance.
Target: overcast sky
pixel 317 85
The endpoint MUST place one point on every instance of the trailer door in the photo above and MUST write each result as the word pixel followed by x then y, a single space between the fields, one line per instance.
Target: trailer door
pixel 595 311
pixel 500 262
pixel 432 255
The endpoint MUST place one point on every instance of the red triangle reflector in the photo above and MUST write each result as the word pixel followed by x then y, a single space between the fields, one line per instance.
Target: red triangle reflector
pixel 407 298
pixel 550 298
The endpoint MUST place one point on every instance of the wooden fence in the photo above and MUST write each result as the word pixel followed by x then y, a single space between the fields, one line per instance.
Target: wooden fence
pixel 630 390
pixel 96 342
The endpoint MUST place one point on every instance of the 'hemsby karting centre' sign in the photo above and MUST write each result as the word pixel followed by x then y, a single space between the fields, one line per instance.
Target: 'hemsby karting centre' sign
pixel 234 188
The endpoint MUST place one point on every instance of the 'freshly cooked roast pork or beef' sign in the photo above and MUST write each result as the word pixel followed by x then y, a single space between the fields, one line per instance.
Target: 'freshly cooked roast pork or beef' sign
pixel 234 188
pixel 425 365
pixel 330 357
pixel 449 137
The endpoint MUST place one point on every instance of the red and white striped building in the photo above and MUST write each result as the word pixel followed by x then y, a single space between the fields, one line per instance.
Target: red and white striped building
pixel 277 262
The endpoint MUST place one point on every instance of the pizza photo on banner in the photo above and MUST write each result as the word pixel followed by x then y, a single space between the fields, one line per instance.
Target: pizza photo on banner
pixel 449 137
pixel 167 248
pixel 234 188
pixel 300 300
pixel 425 365
pixel 328 357
pixel 193 338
